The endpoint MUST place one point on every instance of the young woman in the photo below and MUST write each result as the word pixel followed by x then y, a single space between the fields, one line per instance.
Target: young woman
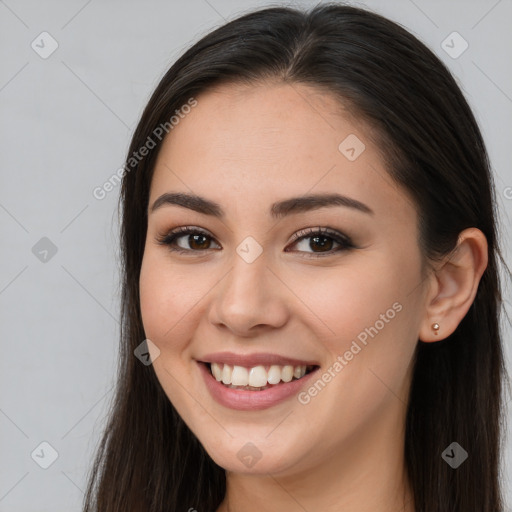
pixel 310 261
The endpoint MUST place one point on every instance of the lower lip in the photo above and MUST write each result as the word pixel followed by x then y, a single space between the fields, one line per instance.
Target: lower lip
pixel 244 400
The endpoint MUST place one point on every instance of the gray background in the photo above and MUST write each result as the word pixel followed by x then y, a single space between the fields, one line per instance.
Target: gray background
pixel 66 121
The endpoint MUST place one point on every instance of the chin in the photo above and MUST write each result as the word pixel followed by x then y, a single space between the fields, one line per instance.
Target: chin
pixel 269 463
pixel 258 457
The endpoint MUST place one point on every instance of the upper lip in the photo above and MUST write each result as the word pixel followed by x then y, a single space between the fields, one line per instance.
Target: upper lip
pixel 256 359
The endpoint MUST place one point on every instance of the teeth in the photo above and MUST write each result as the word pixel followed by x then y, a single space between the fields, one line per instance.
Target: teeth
pixel 240 376
pixel 287 373
pixel 226 374
pixel 216 371
pixel 257 376
pixel 274 374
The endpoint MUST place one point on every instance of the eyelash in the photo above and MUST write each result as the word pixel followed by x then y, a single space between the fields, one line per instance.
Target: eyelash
pixel 344 241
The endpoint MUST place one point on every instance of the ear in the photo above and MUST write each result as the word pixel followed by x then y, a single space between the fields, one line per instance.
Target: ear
pixel 453 285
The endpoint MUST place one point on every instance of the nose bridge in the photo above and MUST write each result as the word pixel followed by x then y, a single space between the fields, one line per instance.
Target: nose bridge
pixel 246 284
pixel 248 296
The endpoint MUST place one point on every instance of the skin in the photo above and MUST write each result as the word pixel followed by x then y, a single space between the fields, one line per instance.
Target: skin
pixel 246 147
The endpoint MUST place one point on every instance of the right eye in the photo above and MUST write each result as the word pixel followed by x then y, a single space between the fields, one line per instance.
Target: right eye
pixel 196 239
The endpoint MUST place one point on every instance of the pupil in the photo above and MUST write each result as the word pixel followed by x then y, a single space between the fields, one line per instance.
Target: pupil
pixel 198 245
pixel 325 246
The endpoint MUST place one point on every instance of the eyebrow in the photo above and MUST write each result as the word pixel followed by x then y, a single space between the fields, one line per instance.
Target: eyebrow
pixel 278 210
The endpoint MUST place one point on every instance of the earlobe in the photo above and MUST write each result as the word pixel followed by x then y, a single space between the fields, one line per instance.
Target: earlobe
pixel 457 278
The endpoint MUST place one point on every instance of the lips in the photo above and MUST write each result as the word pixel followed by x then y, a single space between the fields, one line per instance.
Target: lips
pixel 255 359
pixel 256 399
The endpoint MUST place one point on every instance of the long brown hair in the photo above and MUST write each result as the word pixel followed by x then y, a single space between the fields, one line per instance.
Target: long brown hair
pixel 148 459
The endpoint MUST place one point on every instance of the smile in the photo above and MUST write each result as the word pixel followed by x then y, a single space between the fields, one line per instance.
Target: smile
pixel 256 385
pixel 257 378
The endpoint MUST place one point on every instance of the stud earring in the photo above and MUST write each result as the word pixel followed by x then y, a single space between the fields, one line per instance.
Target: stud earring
pixel 436 328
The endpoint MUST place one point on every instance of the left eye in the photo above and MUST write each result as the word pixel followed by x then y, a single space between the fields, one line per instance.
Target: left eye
pixel 198 241
pixel 323 239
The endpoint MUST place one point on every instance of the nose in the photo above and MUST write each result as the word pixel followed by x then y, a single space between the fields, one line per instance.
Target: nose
pixel 250 299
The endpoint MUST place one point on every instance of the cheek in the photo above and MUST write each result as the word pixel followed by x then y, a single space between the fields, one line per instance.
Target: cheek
pixel 344 300
pixel 365 313
pixel 152 295
pixel 163 298
pixel 165 309
pixel 172 299
pixel 374 314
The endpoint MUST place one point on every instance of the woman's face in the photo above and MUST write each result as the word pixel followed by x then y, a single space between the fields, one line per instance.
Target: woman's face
pixel 259 290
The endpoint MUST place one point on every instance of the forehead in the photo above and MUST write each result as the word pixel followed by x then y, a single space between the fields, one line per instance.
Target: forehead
pixel 262 143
